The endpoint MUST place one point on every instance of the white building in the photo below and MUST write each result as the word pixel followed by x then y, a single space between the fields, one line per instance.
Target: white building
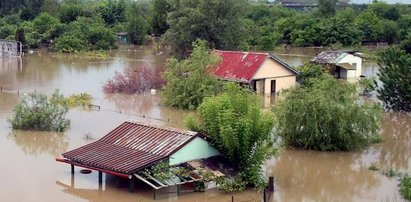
pixel 343 64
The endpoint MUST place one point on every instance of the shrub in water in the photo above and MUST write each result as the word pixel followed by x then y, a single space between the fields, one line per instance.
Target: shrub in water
pixel 38 112
pixel 134 80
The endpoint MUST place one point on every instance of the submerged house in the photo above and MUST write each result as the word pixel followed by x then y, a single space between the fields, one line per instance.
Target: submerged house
pixel 263 72
pixel 132 147
pixel 342 64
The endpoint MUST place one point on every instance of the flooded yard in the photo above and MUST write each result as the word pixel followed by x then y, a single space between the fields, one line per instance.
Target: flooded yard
pixel 30 172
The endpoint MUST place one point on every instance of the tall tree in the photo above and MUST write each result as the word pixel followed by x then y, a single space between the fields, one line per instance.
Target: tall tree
pixel 137 26
pixel 188 81
pixel 159 17
pixel 395 76
pixel 327 115
pixel 327 7
pixel 219 22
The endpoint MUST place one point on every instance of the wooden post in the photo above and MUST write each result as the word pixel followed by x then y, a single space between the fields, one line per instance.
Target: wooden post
pixel 117 181
pixel 131 184
pixel 178 189
pixel 100 177
pixel 271 184
pixel 154 194
pixel 72 169
pixel 232 198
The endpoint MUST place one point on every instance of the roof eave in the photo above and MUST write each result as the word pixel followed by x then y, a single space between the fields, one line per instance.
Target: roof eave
pixel 284 64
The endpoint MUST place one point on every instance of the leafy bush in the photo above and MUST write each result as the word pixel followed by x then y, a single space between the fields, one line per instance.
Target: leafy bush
pixel 39 112
pixel 238 128
pixel 188 81
pixel 69 12
pixel 45 25
pixel 327 115
pixel 69 44
pixel 231 184
pixel 137 26
pixel 134 80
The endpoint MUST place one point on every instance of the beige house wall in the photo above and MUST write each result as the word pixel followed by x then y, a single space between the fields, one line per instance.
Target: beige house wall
pixel 272 70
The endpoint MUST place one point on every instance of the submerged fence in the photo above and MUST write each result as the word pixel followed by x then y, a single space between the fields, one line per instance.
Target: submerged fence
pixel 10 48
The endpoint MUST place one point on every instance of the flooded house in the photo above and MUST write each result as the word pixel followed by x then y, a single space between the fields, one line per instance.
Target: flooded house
pixel 262 72
pixel 131 148
pixel 342 64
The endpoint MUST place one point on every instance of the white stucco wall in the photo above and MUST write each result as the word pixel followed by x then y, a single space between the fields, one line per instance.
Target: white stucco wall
pixel 351 59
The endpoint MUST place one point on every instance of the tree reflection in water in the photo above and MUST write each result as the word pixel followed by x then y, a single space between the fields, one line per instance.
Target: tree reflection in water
pixel 40 142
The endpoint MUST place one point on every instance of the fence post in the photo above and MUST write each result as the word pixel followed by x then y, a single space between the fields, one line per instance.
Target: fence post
pixel 271 184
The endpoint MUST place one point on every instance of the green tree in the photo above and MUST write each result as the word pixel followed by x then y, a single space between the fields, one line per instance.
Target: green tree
pixel 395 76
pixel 327 115
pixel 188 81
pixel 369 24
pixel 70 11
pixel 137 26
pixel 39 112
pixel 159 17
pixel 45 25
pixel 327 7
pixel 113 11
pixel 239 129
pixel 219 22
pixel 406 44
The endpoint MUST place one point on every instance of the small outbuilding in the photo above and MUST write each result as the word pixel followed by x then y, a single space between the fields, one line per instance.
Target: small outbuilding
pixel 342 64
pixel 132 147
pixel 263 72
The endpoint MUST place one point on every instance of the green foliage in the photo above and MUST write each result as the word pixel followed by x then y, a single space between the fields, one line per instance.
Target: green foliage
pixel 239 129
pixel 406 44
pixel 219 22
pixel 159 17
pixel 86 34
pixel 395 76
pixel 69 44
pixel 188 81
pixel 45 25
pixel 113 11
pixel 231 185
pixel 327 7
pixel 76 100
pixel 367 85
pixel 69 12
pixel 327 115
pixel 310 71
pixel 405 187
pixel 369 24
pixel 137 26
pixel 39 112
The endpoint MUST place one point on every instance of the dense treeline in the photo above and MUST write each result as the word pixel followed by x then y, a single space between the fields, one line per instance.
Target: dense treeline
pixel 75 25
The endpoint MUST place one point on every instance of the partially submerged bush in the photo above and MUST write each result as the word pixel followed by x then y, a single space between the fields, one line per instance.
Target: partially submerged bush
pixel 405 187
pixel 39 112
pixel 327 115
pixel 134 80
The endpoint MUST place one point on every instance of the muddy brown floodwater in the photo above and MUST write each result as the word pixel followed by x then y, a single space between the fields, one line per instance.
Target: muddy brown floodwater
pixel 29 171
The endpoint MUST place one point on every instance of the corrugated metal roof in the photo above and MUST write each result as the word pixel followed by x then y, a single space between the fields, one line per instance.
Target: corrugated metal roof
pixel 241 66
pixel 131 147
pixel 330 57
pixel 238 66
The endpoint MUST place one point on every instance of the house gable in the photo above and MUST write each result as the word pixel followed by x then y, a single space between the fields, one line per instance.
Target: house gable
pixel 271 69
pixel 198 148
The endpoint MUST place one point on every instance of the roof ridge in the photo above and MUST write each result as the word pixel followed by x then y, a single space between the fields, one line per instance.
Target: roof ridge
pixel 182 131
pixel 243 52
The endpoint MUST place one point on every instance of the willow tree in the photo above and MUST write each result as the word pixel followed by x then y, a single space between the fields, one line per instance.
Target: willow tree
pixel 327 115
pixel 188 81
pixel 238 128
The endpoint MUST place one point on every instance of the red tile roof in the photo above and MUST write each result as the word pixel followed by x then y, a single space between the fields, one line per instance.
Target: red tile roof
pixel 241 66
pixel 131 147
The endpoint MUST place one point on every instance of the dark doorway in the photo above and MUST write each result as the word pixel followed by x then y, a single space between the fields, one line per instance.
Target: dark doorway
pixel 273 86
